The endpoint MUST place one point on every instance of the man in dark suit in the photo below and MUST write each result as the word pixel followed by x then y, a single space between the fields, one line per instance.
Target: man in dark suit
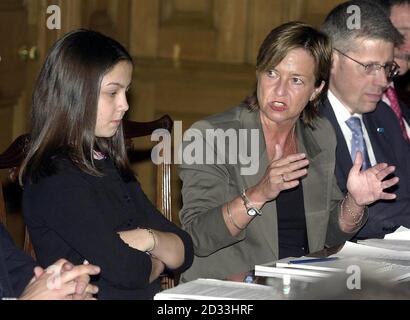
pixel 19 276
pixel 361 71
pixel 397 96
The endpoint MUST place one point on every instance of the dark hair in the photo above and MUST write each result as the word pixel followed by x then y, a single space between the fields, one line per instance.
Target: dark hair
pixel 374 24
pixel 279 42
pixel 64 106
pixel 387 5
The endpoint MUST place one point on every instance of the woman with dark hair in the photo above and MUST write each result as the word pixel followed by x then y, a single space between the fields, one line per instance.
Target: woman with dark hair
pixel 81 200
pixel 290 204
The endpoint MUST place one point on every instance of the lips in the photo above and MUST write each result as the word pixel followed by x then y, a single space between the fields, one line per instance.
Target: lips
pixel 374 97
pixel 278 106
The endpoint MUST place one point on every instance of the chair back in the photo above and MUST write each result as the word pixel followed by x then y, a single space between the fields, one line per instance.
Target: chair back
pixel 11 159
pixel 163 192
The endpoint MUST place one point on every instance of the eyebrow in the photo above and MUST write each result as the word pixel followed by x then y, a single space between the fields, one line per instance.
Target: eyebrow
pixel 299 75
pixel 293 74
pixel 117 84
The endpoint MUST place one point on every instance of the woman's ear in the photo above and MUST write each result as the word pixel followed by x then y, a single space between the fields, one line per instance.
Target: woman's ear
pixel 317 91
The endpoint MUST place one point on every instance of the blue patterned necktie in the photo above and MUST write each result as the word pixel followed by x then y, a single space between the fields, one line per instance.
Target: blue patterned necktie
pixel 358 144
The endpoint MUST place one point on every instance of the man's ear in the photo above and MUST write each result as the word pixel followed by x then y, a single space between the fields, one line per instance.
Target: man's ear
pixel 335 61
pixel 317 91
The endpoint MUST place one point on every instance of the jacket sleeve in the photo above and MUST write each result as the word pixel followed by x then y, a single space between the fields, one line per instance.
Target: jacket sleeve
pixel 205 190
pixel 335 236
pixel 67 206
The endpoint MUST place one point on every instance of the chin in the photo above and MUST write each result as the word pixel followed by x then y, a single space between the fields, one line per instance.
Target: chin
pixel 105 134
pixel 369 107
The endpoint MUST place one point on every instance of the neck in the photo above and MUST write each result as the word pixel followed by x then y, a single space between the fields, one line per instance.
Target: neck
pixel 279 133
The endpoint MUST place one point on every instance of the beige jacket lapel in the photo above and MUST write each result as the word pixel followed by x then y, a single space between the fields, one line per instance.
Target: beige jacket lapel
pixel 316 186
pixel 266 226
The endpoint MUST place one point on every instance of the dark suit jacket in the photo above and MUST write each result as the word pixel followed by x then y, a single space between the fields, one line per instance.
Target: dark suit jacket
pixel 401 84
pixel 16 267
pixel 388 146
pixel 405 109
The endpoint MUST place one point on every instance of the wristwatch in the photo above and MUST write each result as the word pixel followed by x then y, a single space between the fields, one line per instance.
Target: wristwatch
pixel 251 210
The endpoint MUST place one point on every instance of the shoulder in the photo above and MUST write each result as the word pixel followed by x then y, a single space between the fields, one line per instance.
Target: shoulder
pixel 383 116
pixel 224 120
pixel 382 112
pixel 323 132
pixel 65 174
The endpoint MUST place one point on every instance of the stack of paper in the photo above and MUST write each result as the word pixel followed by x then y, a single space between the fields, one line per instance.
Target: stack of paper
pixel 389 259
pixel 302 269
pixel 401 233
pixel 211 289
pixel 384 258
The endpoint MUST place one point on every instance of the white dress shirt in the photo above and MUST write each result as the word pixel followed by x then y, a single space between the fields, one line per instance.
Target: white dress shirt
pixel 342 114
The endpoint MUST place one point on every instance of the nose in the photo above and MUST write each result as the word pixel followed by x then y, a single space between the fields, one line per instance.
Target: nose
pixel 123 104
pixel 281 88
pixel 381 78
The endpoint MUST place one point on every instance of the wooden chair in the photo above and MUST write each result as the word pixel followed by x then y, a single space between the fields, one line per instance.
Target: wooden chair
pixel 11 160
pixel 14 154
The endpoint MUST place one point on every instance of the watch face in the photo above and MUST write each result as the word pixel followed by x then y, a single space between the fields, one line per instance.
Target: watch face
pixel 252 212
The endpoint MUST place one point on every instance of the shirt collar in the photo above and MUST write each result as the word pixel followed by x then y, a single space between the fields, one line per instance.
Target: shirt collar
pixel 341 112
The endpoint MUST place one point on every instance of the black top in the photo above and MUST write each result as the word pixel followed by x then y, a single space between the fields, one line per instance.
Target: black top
pixel 16 267
pixel 292 232
pixel 73 215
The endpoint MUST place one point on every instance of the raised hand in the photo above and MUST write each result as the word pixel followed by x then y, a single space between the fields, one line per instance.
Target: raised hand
pixel 283 173
pixel 368 186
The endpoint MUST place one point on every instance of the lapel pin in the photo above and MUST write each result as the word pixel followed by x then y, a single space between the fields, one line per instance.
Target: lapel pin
pixel 380 130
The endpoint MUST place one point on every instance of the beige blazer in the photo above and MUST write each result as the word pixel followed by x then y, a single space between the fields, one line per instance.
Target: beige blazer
pixel 207 187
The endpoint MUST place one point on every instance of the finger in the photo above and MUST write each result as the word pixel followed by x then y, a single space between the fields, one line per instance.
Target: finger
pixel 385 172
pixel 38 271
pixel 79 271
pixel 357 164
pixel 378 167
pixel 82 282
pixel 67 266
pixel 56 266
pixel 387 196
pixel 68 288
pixel 288 159
pixel 278 152
pixel 63 290
pixel 389 183
pixel 295 166
pixel 290 184
pixel 91 289
pixel 287 177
